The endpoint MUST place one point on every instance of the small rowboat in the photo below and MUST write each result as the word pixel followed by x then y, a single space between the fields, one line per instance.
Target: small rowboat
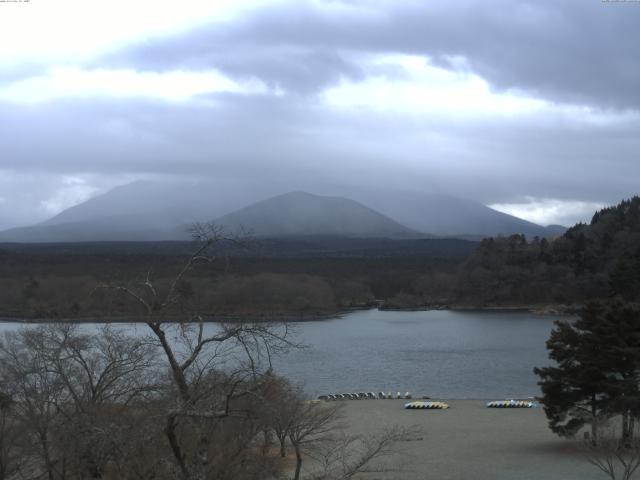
pixel 426 406
pixel 511 404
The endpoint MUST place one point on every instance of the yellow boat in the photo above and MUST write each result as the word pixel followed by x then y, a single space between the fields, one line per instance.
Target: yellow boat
pixel 511 404
pixel 419 405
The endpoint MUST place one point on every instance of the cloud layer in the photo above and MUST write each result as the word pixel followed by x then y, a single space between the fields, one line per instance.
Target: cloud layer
pixel 532 106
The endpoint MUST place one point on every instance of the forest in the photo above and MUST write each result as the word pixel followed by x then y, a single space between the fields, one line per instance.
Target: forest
pixel 594 260
pixel 307 278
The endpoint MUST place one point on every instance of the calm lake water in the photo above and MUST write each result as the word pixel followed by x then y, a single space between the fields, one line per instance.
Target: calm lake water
pixel 448 354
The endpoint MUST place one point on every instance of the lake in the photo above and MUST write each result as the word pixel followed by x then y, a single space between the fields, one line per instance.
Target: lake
pixel 447 354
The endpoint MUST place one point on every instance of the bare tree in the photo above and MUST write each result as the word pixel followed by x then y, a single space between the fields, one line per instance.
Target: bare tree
pixel 615 457
pixel 312 423
pixel 316 430
pixel 11 457
pixel 102 373
pixel 192 352
pixel 37 393
pixel 69 389
pixel 347 456
pixel 282 404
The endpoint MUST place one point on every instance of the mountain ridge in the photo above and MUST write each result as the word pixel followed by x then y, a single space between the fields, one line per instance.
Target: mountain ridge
pixel 301 213
pixel 147 211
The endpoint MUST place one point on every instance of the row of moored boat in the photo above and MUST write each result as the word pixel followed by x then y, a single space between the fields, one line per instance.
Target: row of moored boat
pixel 365 396
pixel 421 404
pixel 494 404
pixel 426 405
pixel 511 404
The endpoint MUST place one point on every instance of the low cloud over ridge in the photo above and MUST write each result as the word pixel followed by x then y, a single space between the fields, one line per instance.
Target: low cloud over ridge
pixel 506 102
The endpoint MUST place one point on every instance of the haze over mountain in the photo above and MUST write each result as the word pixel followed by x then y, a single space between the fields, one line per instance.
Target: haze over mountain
pixel 161 204
pixel 162 211
pixel 142 210
pixel 301 213
pixel 446 216
pixel 328 97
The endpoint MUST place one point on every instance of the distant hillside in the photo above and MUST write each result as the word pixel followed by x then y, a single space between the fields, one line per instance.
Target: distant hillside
pixel 149 211
pixel 445 215
pixel 304 214
pixel 162 204
pixel 124 227
pixel 293 248
pixel 591 261
pixel 139 211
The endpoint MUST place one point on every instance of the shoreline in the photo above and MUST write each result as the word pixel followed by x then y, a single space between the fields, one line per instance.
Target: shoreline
pixel 542 310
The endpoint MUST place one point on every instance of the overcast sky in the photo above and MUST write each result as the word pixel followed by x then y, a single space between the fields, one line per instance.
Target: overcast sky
pixel 532 107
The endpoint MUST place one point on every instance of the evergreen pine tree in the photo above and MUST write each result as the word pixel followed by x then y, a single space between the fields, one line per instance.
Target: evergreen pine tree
pixel 597 371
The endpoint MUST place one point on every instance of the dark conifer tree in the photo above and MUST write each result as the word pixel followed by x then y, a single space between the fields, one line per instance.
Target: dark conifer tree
pixel 598 370
pixel 625 277
pixel 617 329
pixel 575 391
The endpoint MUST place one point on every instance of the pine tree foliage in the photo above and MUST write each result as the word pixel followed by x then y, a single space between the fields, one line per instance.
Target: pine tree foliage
pixel 596 375
pixel 596 260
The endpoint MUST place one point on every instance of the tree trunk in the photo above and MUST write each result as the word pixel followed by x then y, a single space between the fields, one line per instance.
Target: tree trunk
pixel 47 457
pixel 266 441
pixel 176 371
pixel 594 422
pixel 283 448
pixel 625 428
pixel 203 453
pixel 184 400
pixel 170 432
pixel 298 462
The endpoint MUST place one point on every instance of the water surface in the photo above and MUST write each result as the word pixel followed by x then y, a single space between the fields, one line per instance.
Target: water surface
pixel 448 354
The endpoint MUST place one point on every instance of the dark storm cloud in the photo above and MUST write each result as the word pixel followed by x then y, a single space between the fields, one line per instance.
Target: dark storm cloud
pixel 577 51
pixel 580 52
pixel 294 144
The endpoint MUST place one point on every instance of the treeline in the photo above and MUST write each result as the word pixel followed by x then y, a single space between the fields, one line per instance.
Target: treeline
pixel 594 260
pixel 324 276
pixel 65 282
pixel 262 294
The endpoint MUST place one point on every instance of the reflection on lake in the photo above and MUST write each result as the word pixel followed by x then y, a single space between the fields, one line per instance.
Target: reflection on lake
pixel 449 354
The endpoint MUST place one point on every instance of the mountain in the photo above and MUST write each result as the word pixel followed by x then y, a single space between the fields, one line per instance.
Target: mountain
pixel 161 204
pixel 448 216
pixel 138 211
pixel 150 210
pixel 301 213
pixel 115 228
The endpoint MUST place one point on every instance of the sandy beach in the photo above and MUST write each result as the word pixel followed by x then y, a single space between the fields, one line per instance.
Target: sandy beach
pixel 470 441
